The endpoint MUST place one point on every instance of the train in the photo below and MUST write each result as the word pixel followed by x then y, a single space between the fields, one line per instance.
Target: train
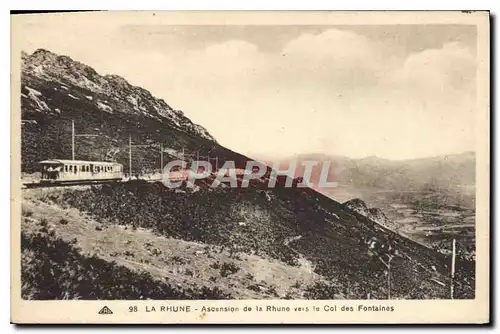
pixel 58 171
pixel 66 172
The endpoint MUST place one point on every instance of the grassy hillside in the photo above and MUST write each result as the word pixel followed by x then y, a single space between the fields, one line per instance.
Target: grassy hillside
pixel 188 268
pixel 292 226
pixel 54 269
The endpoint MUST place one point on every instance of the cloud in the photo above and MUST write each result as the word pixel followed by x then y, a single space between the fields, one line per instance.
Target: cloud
pixel 338 48
pixel 450 67
pixel 334 92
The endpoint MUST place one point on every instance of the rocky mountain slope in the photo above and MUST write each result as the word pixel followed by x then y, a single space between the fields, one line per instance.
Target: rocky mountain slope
pixel 56 90
pixel 296 230
pixel 374 214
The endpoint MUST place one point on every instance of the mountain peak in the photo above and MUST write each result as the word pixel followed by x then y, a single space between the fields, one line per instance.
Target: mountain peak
pixel 83 82
pixel 43 53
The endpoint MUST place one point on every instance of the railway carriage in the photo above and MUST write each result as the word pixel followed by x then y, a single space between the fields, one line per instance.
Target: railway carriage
pixel 67 171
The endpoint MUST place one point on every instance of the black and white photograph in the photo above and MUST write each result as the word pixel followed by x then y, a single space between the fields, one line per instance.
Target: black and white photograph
pixel 164 160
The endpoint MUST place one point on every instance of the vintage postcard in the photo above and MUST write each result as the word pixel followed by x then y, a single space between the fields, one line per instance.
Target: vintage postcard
pixel 250 167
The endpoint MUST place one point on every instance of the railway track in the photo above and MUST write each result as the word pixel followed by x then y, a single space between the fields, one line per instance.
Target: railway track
pixel 31 185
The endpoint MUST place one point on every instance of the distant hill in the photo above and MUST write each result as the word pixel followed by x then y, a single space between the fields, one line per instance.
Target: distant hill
pixel 452 176
pixel 434 173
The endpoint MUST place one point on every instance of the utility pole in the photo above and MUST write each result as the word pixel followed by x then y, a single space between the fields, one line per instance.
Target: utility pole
pixel 452 277
pixel 161 157
pixel 72 140
pixel 130 157
pixel 73 135
pixel 389 279
pixel 380 253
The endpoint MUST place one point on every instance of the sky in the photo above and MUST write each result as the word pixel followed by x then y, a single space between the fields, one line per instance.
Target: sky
pixel 393 91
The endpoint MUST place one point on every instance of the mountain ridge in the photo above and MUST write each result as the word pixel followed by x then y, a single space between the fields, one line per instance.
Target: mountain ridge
pixel 56 89
pixel 49 66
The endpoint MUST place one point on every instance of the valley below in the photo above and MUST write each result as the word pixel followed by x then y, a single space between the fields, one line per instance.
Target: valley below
pixel 431 218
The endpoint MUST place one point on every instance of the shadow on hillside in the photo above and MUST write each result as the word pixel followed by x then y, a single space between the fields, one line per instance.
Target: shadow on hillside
pixel 54 269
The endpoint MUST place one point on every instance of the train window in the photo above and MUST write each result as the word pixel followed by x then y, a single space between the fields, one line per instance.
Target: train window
pixel 75 169
pixel 70 168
